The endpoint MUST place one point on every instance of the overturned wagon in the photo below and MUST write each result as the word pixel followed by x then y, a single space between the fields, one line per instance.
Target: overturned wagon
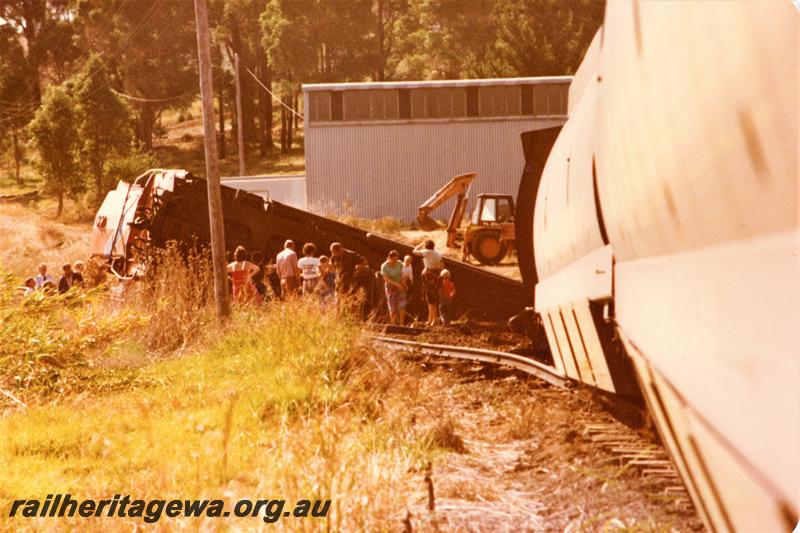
pixel 171 205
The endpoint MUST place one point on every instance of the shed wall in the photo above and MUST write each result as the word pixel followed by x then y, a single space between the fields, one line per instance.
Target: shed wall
pixel 388 169
pixel 290 190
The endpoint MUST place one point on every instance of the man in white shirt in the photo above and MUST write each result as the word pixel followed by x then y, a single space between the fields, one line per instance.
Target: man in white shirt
pixel 287 269
pixel 43 277
pixel 309 266
pixel 431 282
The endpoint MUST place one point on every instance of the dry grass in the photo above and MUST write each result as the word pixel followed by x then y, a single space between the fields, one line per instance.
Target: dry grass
pixel 177 296
pixel 386 225
pixel 444 435
pixel 28 237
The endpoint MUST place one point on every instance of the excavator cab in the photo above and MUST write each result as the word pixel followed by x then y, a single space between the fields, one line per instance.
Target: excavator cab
pixel 493 209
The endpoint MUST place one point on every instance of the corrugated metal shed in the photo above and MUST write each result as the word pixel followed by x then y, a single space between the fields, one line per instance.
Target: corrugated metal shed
pixel 382 149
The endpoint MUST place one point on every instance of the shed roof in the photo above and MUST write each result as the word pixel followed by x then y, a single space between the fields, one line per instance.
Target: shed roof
pixel 308 87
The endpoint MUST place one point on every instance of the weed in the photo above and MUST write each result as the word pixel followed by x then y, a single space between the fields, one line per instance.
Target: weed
pixel 443 435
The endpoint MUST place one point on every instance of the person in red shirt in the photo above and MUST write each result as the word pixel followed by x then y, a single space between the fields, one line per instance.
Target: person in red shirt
pixel 241 272
pixel 446 295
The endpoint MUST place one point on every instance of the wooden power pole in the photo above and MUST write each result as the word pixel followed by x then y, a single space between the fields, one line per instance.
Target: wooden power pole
pixel 212 164
pixel 239 121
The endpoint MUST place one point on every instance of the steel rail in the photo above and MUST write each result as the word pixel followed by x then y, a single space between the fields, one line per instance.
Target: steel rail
pixel 525 364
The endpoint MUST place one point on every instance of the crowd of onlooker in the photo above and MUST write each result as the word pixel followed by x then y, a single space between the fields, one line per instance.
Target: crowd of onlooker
pixel 71 276
pixel 345 276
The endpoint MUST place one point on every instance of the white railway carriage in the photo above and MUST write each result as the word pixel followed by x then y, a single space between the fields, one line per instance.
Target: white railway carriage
pixel 667 218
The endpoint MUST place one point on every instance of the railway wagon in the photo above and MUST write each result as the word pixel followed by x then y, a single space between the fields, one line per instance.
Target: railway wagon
pixel 662 241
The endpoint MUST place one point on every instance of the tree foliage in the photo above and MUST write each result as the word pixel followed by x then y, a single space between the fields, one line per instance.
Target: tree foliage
pixel 16 96
pixel 46 28
pixel 146 50
pixel 152 44
pixel 488 39
pixel 313 41
pixel 105 120
pixel 55 132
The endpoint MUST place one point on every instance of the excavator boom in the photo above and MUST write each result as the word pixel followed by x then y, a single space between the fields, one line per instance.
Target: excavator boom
pixel 458 186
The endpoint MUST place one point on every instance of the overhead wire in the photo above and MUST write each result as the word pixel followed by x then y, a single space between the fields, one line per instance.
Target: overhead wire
pixel 272 93
pixel 155 100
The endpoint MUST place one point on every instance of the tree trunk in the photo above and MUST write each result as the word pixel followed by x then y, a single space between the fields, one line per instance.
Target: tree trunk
pixel 144 124
pixel 60 208
pixel 234 118
pixel 381 74
pixel 221 132
pixel 264 102
pixel 297 113
pixel 17 155
pixel 283 130
pixel 290 128
pixel 270 110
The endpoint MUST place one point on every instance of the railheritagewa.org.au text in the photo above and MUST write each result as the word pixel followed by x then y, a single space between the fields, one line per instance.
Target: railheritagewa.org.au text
pixel 150 511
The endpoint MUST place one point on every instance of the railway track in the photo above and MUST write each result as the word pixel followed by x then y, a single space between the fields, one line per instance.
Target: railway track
pixel 525 364
pixel 642 456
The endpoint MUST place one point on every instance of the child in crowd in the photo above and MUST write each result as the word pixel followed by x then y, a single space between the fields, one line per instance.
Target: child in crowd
pixel 446 295
pixel 29 287
pixel 258 278
pixel 309 268
pixel 408 277
pixel 327 282
pixel 77 272
pixel 408 272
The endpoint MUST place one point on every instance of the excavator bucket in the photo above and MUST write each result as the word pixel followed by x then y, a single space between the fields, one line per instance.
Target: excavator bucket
pixel 426 223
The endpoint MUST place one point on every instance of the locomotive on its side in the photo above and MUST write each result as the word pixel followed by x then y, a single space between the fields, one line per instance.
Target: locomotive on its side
pixel 664 234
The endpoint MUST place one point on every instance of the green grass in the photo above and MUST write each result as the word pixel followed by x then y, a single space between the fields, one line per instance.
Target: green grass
pixel 282 402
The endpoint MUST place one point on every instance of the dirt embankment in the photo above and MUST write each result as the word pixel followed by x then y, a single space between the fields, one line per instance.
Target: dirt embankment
pixel 520 459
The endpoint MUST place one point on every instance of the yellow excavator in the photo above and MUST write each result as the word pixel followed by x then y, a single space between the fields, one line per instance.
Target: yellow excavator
pixel 489 234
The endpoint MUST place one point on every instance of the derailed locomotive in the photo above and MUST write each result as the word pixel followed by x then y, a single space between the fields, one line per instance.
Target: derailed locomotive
pixel 665 220
pixel 171 205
